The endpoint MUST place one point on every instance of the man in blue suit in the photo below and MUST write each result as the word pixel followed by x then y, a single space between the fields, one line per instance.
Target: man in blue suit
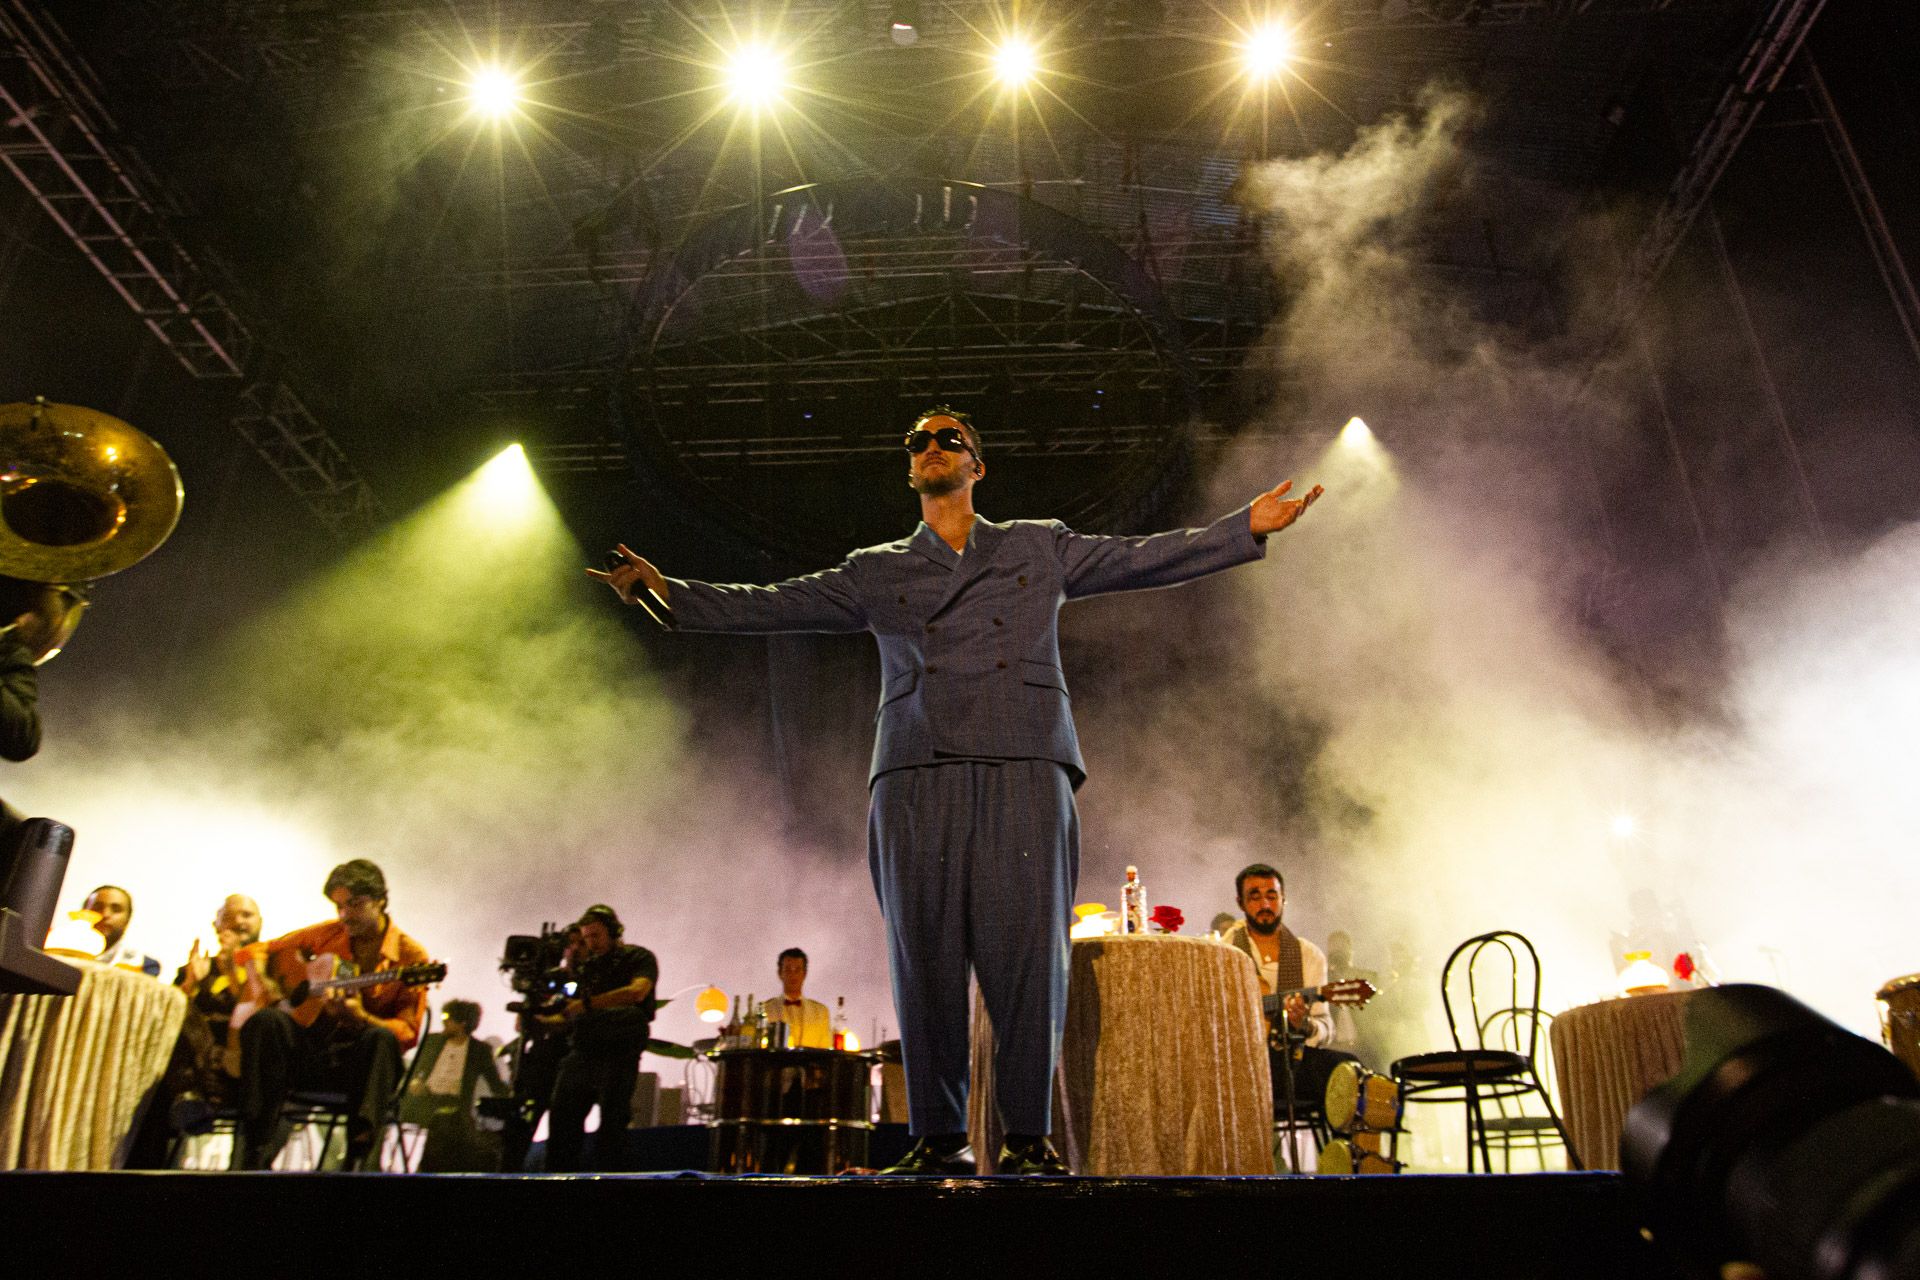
pixel 972 836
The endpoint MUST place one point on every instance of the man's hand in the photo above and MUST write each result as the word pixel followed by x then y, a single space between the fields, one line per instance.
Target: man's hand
pixel 635 572
pixel 1272 510
pixel 198 967
pixel 347 1005
pixel 1296 1006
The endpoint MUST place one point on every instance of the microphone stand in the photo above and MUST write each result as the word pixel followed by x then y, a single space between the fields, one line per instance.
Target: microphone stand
pixel 1286 1062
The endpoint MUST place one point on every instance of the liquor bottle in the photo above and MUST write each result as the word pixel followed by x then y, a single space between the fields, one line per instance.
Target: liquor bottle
pixel 731 1034
pixel 1133 903
pixel 840 1022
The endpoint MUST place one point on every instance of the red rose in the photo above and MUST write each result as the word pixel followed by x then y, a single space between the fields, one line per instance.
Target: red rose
pixel 1683 967
pixel 1167 918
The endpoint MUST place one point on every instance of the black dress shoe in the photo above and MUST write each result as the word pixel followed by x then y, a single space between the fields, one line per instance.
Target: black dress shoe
pixel 1032 1157
pixel 935 1158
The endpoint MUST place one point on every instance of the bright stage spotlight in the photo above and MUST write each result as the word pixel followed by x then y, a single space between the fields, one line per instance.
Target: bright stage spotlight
pixel 1624 826
pixel 493 93
pixel 1015 62
pixel 1357 435
pixel 1267 51
pixel 506 485
pixel 755 76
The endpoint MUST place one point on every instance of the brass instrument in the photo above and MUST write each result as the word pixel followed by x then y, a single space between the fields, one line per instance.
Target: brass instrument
pixel 82 495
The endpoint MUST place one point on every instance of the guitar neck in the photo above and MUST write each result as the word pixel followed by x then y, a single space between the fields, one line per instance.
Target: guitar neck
pixel 1271 1005
pixel 355 983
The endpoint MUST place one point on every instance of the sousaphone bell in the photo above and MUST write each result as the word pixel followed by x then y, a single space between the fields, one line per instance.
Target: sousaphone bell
pixel 82 495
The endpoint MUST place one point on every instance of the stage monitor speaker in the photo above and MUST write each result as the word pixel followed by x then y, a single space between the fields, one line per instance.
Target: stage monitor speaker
pixel 26 910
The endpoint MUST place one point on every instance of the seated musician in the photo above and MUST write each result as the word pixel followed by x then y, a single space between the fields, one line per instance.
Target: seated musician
pixel 809 1025
pixel 354 1044
pixel 201 1071
pixel 1287 963
pixel 607 1022
pixel 114 906
pixel 447 1075
pixel 213 983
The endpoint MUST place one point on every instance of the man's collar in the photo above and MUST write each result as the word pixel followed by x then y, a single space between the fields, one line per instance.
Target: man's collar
pixel 934 547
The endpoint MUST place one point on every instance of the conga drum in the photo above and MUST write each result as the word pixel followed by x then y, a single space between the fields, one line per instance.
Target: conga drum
pixel 1900 1019
pixel 1359 1100
pixel 1356 1153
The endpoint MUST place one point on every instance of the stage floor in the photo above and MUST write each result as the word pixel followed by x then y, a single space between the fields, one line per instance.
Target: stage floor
pixel 1532 1226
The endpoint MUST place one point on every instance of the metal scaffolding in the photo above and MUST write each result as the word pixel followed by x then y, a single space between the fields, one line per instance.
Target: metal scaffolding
pixel 59 142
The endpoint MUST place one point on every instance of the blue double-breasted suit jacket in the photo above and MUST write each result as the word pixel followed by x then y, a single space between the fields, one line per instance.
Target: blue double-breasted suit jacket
pixel 969 644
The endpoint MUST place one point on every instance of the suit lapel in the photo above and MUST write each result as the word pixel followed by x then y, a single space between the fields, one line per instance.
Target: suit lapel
pixel 932 546
pixel 982 545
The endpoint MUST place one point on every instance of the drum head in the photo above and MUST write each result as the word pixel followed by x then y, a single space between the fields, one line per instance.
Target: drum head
pixel 1337 1157
pixel 1343 1095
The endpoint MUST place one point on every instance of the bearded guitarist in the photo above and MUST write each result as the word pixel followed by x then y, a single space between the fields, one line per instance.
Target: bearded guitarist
pixel 1287 962
pixel 354 1045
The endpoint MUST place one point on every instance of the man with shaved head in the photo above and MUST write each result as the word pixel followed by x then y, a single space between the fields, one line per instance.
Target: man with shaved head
pixel 209 979
pixel 199 1076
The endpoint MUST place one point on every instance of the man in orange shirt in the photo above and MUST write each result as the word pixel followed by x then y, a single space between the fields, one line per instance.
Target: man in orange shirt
pixel 354 1046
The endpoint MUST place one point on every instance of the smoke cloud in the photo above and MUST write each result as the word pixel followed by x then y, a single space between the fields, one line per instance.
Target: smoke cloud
pixel 1402 709
pixel 457 702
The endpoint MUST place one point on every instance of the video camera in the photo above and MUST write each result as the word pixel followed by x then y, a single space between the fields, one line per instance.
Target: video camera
pixel 535 968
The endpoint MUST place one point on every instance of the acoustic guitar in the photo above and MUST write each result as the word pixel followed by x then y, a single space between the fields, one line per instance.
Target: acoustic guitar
pixel 305 981
pixel 1351 992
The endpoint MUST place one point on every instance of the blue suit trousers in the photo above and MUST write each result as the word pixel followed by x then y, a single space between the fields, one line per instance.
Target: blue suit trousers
pixel 975 863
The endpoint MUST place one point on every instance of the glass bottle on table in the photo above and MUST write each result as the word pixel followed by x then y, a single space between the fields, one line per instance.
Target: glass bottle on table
pixel 1133 903
pixel 840 1022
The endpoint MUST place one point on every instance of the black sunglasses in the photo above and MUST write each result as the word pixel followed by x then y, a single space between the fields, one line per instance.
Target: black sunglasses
pixel 952 439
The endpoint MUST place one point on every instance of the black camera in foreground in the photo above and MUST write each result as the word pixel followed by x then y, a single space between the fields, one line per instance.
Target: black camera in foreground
pixel 1785 1141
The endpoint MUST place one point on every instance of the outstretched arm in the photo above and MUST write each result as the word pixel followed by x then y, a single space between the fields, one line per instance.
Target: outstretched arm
pixel 1095 565
pixel 824 601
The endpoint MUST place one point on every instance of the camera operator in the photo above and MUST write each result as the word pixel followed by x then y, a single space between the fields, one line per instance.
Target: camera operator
pixel 543 971
pixel 607 1022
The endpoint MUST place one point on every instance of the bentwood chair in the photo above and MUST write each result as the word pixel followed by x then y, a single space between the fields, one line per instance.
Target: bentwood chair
pixel 1515 1123
pixel 1486 975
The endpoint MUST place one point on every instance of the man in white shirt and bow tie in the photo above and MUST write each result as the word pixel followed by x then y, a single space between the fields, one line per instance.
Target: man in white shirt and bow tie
pixel 809 1025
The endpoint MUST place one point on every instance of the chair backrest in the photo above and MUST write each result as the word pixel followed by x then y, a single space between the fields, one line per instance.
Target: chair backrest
pixel 1487 974
pixel 1515 1030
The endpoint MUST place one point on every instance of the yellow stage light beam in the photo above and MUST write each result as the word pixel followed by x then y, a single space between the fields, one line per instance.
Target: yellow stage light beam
pixel 1266 51
pixel 505 487
pixel 755 76
pixel 1357 435
pixel 1015 62
pixel 493 93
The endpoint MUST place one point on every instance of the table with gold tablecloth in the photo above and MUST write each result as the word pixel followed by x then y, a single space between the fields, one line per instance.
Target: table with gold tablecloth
pixel 1164 1065
pixel 74 1070
pixel 1607 1056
